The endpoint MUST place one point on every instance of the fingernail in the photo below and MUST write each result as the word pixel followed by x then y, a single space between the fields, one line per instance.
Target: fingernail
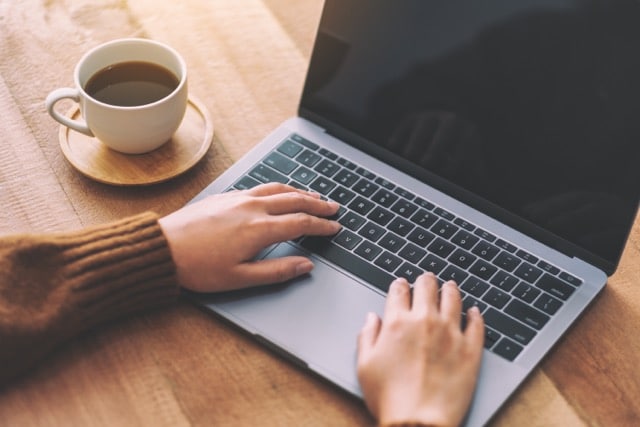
pixel 334 205
pixel 474 311
pixel 304 268
pixel 371 317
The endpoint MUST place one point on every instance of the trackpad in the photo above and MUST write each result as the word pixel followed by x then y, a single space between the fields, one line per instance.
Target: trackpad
pixel 315 318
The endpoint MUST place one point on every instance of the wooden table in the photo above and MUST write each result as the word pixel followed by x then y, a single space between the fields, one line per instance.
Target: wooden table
pixel 247 60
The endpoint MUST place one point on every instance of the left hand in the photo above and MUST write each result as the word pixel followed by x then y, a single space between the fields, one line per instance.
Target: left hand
pixel 213 242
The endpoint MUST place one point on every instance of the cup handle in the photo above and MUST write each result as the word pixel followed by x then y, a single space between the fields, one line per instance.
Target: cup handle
pixel 58 95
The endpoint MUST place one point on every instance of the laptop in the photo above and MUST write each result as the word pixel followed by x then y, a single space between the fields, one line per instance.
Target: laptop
pixel 491 142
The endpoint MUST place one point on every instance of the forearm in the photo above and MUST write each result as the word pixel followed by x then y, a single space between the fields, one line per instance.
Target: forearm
pixel 53 287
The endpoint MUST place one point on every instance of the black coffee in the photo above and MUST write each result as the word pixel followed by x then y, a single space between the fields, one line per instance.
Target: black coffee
pixel 128 84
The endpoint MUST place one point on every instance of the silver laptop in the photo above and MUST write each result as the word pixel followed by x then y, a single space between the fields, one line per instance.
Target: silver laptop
pixel 492 142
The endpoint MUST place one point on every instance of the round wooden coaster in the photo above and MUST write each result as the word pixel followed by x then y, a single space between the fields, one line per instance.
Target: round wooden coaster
pixel 95 160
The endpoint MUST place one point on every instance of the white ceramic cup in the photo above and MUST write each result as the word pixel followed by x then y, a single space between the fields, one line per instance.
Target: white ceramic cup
pixel 131 129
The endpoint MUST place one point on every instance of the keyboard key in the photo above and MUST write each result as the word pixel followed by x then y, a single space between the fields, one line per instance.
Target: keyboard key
pixel 464 224
pixel 371 231
pixel 525 292
pixel 526 314
pixel 423 203
pixel 424 219
pixel 328 154
pixel 470 301
pixel 527 256
pixel 384 197
pixel 528 272
pixel 496 298
pixel 400 226
pixel 452 272
pixel 322 185
pixel 504 281
pixel 391 242
pixel 433 264
pixel 548 304
pixel 341 211
pixel 368 250
pixel 441 248
pixel 342 195
pixel 308 158
pixel 384 183
pixel 483 234
pixel 485 250
pixel 508 326
pixel 365 187
pixel 404 208
pixel 412 253
pixel 548 268
pixel 245 183
pixel 303 141
pixel 409 272
pixel 462 258
pixel 570 279
pixel 296 184
pixel 367 174
pixel 475 286
pixel 280 163
pixel 349 261
pixel 264 173
pixel 404 193
pixel 352 221
pixel 346 178
pixel 483 269
pixel 507 349
pixel 421 237
pixel 347 239
pixel 388 261
pixel 506 261
pixel 304 175
pixel 289 148
pixel 327 168
pixel 380 216
pixel 555 286
pixel 362 206
pixel 444 214
pixel 464 239
pixel 505 245
pixel 444 229
pixel 490 337
pixel 346 164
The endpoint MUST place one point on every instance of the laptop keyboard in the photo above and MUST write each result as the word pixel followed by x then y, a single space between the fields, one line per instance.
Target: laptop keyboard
pixel 389 232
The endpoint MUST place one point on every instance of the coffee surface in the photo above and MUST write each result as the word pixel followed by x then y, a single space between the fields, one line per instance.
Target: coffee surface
pixel 132 83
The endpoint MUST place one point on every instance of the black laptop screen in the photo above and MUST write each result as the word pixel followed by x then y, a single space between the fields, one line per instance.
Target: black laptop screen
pixel 533 105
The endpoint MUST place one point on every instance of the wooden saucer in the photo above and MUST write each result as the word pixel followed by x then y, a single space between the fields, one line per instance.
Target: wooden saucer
pixel 96 161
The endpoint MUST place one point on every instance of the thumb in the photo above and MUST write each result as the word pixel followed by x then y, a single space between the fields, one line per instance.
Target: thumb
pixel 274 270
pixel 368 335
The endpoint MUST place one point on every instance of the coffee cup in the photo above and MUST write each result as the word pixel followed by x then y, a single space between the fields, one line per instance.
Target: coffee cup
pixel 132 94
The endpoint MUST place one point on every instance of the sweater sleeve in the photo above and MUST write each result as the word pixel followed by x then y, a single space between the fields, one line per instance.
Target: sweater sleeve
pixel 53 287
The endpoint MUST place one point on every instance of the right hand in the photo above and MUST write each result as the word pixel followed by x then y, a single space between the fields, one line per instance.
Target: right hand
pixel 417 365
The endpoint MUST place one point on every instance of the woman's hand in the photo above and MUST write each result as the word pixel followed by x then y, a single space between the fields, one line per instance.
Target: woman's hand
pixel 417 365
pixel 214 240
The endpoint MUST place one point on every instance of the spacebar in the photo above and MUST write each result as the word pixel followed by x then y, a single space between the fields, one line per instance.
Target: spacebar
pixel 348 261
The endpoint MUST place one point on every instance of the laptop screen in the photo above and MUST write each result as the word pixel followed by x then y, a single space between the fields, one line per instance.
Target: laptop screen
pixel 529 108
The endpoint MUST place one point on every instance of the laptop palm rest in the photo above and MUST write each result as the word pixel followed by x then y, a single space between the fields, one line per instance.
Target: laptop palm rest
pixel 318 316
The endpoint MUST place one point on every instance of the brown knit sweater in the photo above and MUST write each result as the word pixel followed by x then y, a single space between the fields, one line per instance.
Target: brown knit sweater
pixel 53 287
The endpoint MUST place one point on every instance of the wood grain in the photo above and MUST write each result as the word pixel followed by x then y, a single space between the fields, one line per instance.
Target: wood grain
pixel 181 366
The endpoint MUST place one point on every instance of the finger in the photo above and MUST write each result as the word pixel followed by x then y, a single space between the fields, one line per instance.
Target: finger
pixel 425 293
pixel 474 330
pixel 450 301
pixel 277 188
pixel 398 298
pixel 291 226
pixel 274 270
pixel 284 203
pixel 368 335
